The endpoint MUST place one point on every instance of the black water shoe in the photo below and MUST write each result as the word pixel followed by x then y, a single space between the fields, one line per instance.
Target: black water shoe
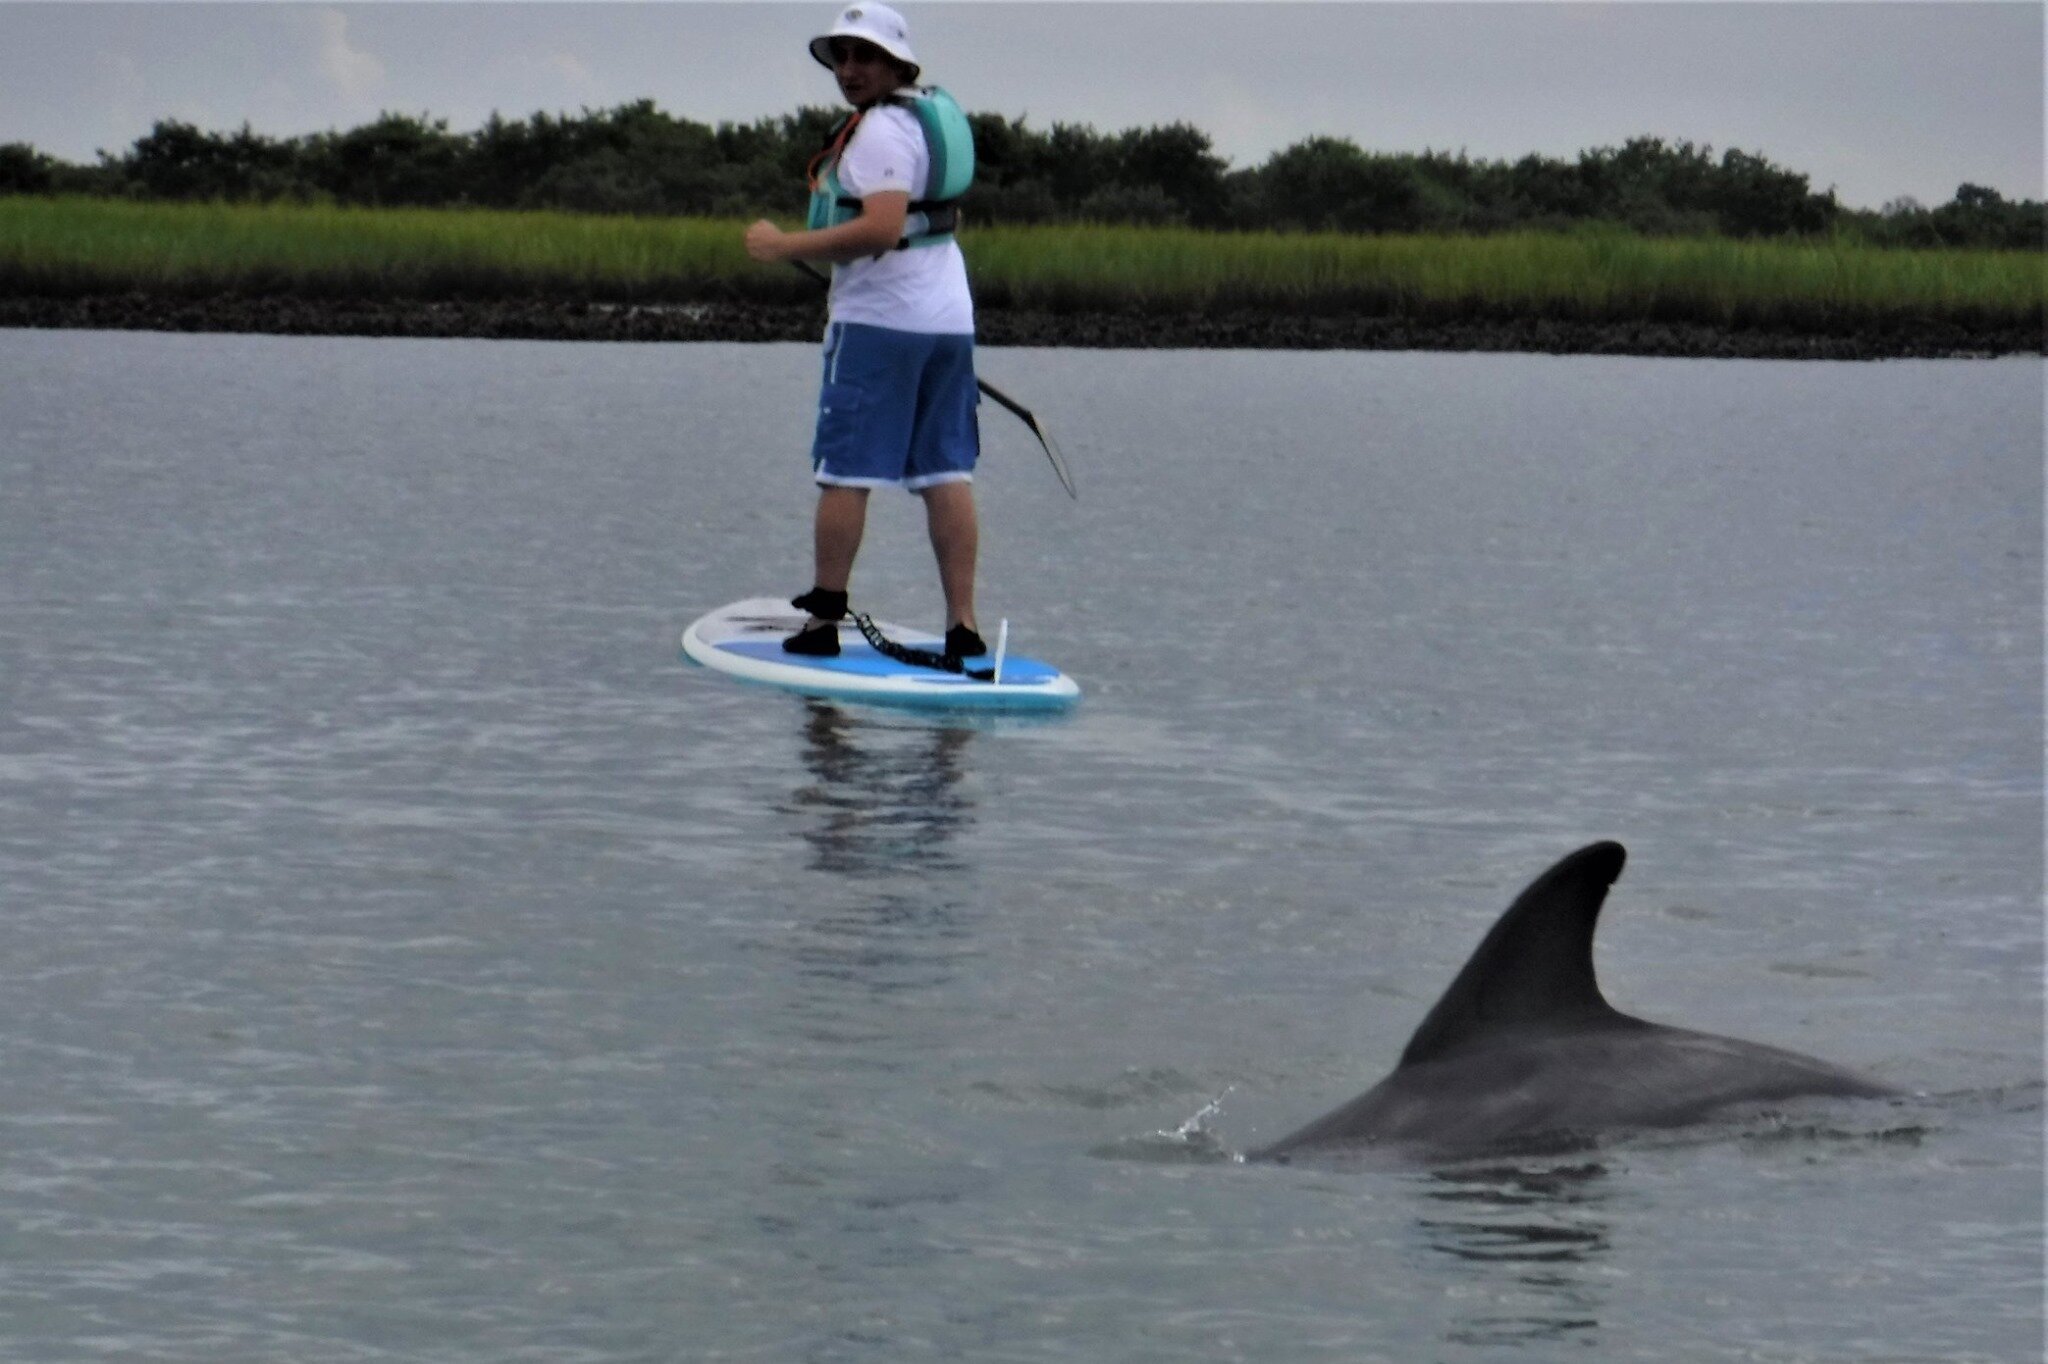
pixel 814 641
pixel 962 642
pixel 822 604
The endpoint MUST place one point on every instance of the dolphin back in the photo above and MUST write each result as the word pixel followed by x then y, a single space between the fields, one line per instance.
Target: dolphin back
pixel 1535 968
pixel 1523 1047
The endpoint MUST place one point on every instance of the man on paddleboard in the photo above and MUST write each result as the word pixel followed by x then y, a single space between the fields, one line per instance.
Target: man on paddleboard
pixel 897 406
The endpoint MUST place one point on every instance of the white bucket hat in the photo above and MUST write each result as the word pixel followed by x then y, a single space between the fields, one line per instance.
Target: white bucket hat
pixel 877 24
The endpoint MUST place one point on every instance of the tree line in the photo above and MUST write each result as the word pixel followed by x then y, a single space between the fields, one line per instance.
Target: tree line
pixel 638 159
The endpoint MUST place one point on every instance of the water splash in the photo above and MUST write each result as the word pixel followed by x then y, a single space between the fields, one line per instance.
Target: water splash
pixel 1191 1143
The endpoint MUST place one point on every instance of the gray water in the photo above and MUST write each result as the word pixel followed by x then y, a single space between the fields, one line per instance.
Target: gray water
pixel 408 958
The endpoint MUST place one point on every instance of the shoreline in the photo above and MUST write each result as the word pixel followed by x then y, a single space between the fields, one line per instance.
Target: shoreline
pixel 550 320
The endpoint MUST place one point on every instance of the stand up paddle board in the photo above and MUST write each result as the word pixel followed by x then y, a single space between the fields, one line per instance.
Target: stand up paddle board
pixel 745 640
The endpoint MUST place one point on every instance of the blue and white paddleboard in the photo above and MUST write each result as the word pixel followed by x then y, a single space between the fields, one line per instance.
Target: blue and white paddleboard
pixel 745 640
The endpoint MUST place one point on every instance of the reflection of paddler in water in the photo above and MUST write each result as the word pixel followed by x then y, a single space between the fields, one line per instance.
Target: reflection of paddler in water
pixel 897 406
pixel 886 798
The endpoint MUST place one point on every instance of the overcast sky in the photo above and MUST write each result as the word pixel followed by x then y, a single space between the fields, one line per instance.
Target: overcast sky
pixel 1876 100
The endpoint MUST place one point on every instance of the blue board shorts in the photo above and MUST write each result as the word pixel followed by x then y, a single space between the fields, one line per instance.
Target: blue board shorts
pixel 897 409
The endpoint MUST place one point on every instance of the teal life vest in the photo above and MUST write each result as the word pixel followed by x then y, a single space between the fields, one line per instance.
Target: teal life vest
pixel 949 143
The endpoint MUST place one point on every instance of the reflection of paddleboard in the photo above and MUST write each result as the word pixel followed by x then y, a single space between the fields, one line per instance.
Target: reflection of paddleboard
pixel 745 639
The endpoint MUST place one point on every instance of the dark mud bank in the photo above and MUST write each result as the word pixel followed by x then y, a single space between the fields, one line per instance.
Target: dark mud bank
pixel 525 319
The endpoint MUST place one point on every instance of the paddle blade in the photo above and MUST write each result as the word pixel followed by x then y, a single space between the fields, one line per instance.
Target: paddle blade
pixel 1025 415
pixel 1052 452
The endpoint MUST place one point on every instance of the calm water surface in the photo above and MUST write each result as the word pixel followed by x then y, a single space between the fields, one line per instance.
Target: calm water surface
pixel 409 959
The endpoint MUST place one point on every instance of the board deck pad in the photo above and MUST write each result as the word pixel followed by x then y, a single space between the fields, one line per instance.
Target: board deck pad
pixel 745 638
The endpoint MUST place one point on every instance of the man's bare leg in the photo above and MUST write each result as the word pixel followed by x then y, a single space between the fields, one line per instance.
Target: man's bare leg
pixel 836 535
pixel 956 541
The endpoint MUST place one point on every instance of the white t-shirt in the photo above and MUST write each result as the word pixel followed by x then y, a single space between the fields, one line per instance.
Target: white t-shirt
pixel 924 288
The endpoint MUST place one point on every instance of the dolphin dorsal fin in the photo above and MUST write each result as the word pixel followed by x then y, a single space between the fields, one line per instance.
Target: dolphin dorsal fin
pixel 1535 966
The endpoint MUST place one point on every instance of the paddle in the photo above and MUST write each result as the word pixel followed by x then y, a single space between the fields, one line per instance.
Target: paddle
pixel 1016 409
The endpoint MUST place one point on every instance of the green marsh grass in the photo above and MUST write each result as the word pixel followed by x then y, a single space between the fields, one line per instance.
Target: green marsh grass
pixel 64 246
pixel 1596 275
pixel 68 246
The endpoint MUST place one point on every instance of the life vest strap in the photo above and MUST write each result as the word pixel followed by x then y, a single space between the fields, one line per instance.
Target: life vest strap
pixel 828 155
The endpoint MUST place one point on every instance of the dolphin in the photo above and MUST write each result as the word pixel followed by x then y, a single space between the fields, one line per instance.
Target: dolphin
pixel 1523 1051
